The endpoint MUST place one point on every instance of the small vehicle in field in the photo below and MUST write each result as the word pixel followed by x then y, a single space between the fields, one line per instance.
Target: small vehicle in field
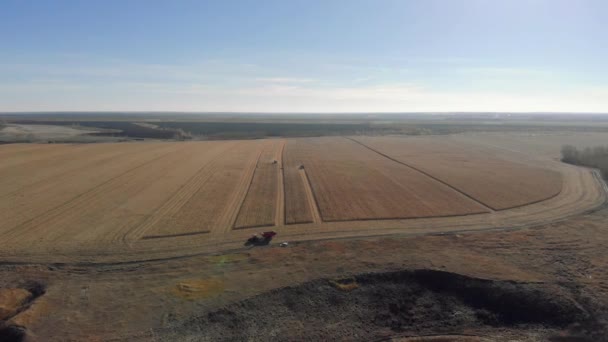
pixel 261 239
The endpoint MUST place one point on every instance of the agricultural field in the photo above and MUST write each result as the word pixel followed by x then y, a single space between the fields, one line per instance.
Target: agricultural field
pixel 350 183
pixel 160 227
pixel 128 200
pixel 472 170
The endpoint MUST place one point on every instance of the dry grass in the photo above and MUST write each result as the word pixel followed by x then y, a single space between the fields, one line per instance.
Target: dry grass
pixel 194 289
pixel 345 285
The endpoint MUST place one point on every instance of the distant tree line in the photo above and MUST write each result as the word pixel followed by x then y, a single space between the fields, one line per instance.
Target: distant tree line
pixel 596 157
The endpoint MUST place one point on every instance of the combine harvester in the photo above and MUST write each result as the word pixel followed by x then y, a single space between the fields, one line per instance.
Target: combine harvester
pixel 261 239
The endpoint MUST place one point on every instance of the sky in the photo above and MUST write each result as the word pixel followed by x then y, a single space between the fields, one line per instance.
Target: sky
pixel 304 56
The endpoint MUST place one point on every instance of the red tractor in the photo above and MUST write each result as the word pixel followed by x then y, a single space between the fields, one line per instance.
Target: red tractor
pixel 261 239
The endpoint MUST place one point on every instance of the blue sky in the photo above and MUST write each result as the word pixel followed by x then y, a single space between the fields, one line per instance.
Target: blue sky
pixel 304 56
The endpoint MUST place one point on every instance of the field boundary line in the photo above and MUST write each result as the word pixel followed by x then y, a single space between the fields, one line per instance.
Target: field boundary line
pixel 242 201
pixel 148 237
pixel 426 174
pixel 279 218
pixel 227 218
pixel 310 195
pixel 253 226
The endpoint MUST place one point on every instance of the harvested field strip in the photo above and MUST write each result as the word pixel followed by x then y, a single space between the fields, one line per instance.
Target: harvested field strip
pixel 485 174
pixel 424 173
pixel 26 206
pixel 310 197
pixel 88 200
pixel 204 209
pixel 297 208
pixel 259 207
pixel 140 193
pixel 279 218
pixel 194 161
pixel 10 150
pixel 147 237
pixel 181 196
pixel 60 170
pixel 229 217
pixel 23 159
pixel 352 183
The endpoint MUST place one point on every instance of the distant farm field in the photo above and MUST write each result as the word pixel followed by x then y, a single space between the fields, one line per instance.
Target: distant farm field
pixel 120 198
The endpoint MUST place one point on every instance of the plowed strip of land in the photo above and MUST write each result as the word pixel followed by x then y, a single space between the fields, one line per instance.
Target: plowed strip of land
pixel 497 183
pixel 259 207
pixel 351 182
pixel 297 209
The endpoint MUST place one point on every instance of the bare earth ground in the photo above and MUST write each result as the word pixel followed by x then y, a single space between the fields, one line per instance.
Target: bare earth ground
pixel 148 289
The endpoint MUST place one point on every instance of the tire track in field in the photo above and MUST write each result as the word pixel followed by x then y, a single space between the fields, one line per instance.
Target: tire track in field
pixel 50 179
pixel 310 196
pixel 487 207
pixel 232 208
pixel 45 153
pixel 245 211
pixel 279 217
pixel 34 223
pixel 111 226
pixel 180 197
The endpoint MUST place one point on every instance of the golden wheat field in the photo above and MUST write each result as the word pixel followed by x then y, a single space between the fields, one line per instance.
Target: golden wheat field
pixel 117 200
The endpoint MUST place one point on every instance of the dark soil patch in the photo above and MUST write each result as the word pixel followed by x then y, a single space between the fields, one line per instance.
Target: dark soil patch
pixel 413 302
pixel 12 333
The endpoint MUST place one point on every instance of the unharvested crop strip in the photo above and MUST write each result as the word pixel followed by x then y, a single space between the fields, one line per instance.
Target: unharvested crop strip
pixel 229 215
pixel 424 173
pixel 260 207
pixel 279 218
pixel 238 213
pixel 312 200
